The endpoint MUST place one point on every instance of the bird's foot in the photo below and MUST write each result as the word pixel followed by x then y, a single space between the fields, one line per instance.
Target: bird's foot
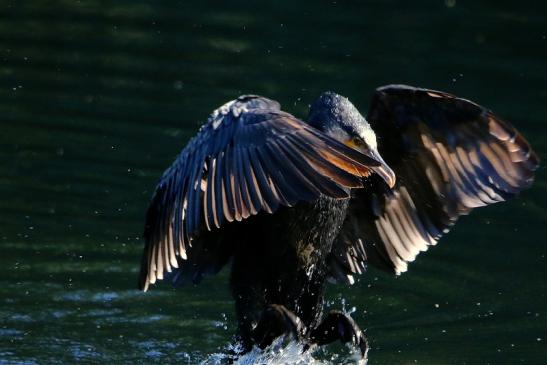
pixel 339 326
pixel 275 321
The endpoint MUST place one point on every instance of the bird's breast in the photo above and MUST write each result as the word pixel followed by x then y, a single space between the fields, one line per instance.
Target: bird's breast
pixel 312 227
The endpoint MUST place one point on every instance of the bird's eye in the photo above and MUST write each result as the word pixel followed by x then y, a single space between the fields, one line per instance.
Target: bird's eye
pixel 358 142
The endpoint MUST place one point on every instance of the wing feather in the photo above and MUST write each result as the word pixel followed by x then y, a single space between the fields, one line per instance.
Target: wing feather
pixel 248 158
pixel 450 156
pixel 270 201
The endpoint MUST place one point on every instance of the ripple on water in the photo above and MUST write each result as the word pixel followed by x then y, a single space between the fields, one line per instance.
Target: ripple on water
pixel 100 297
pixel 102 312
pixel 10 332
pixel 7 354
pixel 105 297
pixel 17 317
pixel 155 349
pixel 57 314
pixel 116 316
pixel 84 352
pixel 149 319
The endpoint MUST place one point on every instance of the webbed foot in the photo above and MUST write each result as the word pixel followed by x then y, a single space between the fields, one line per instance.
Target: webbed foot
pixel 339 326
pixel 275 321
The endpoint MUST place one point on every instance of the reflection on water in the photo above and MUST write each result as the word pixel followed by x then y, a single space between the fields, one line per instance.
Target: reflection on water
pixel 97 98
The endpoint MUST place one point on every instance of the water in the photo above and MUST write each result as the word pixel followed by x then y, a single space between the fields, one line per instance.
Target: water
pixel 97 98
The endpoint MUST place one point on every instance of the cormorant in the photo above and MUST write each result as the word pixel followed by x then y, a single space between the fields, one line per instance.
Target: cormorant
pixel 293 203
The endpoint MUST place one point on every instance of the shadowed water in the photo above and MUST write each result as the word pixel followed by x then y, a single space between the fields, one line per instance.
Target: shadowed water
pixel 97 98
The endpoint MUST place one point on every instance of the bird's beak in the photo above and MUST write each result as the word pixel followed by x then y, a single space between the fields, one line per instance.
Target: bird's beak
pixel 382 168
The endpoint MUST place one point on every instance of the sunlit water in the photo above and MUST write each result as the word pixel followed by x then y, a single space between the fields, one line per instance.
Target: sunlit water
pixel 96 99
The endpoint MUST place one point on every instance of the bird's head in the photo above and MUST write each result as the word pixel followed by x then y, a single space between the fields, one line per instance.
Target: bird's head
pixel 337 117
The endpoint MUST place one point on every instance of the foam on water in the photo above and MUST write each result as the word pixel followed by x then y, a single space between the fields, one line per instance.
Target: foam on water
pixel 285 352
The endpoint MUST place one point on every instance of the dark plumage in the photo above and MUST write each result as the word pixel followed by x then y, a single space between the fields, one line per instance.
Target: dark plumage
pixel 294 203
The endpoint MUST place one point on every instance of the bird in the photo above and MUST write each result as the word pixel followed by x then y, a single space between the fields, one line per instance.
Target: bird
pixel 293 204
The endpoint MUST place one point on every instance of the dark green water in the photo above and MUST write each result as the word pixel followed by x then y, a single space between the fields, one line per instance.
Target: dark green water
pixel 97 98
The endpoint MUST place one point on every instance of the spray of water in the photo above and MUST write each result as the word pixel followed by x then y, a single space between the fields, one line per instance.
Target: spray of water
pixel 285 351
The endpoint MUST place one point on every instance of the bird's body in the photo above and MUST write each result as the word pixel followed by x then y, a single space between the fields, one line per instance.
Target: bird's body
pixel 287 255
pixel 293 203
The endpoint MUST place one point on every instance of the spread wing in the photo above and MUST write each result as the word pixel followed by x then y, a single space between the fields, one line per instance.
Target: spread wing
pixel 249 157
pixel 450 155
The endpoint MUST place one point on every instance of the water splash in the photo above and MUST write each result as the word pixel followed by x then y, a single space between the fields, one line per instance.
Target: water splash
pixel 285 352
